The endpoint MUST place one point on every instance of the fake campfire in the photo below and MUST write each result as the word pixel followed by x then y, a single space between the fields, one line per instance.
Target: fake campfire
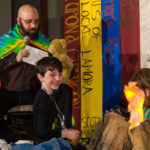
pixel 119 134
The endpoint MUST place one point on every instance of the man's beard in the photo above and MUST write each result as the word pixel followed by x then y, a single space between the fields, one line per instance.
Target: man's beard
pixel 24 32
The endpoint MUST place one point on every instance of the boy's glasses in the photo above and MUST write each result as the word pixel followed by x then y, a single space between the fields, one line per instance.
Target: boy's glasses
pixel 29 21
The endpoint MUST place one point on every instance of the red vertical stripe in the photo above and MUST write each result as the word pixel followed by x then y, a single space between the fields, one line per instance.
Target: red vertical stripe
pixel 72 36
pixel 130 38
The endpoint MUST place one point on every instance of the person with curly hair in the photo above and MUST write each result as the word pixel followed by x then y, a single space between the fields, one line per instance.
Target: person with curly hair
pixel 142 78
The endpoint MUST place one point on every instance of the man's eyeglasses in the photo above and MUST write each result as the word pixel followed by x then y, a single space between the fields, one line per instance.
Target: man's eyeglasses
pixel 29 21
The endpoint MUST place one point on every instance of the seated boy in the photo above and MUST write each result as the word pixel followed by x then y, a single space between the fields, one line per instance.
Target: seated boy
pixel 48 119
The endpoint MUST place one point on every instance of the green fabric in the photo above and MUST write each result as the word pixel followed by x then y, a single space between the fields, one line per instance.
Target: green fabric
pixel 146 113
pixel 13 41
pixel 55 124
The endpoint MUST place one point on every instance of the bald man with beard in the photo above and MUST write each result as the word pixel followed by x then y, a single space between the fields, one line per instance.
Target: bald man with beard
pixel 19 82
pixel 28 21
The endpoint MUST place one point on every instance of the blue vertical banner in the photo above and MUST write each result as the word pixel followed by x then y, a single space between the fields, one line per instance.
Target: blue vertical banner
pixel 111 54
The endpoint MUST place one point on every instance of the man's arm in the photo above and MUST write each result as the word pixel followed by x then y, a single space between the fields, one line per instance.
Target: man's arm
pixel 7 63
pixel 11 60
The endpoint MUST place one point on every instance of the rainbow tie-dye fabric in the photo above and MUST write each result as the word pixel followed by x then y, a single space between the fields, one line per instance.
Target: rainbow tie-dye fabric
pixel 13 41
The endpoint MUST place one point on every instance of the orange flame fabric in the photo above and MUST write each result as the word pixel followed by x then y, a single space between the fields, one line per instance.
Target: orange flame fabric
pixel 135 98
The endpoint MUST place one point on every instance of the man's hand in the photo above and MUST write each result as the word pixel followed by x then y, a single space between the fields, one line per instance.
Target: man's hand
pixel 22 53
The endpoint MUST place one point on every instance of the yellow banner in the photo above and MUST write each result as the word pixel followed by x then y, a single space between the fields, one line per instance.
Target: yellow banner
pixel 91 65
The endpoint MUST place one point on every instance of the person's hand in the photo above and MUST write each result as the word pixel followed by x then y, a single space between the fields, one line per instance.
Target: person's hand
pixel 22 53
pixel 71 134
pixel 112 114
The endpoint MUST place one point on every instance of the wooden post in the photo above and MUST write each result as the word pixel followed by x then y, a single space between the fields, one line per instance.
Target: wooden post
pixel 110 136
pixel 115 135
pixel 140 136
pixel 97 136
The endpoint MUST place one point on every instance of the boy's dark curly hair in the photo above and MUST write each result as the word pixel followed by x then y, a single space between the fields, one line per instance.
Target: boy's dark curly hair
pixel 48 63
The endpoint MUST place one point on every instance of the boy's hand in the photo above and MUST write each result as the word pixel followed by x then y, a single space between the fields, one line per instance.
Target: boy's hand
pixel 71 134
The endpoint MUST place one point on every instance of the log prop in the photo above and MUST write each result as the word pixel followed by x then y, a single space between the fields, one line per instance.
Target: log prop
pixel 140 136
pixel 114 135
